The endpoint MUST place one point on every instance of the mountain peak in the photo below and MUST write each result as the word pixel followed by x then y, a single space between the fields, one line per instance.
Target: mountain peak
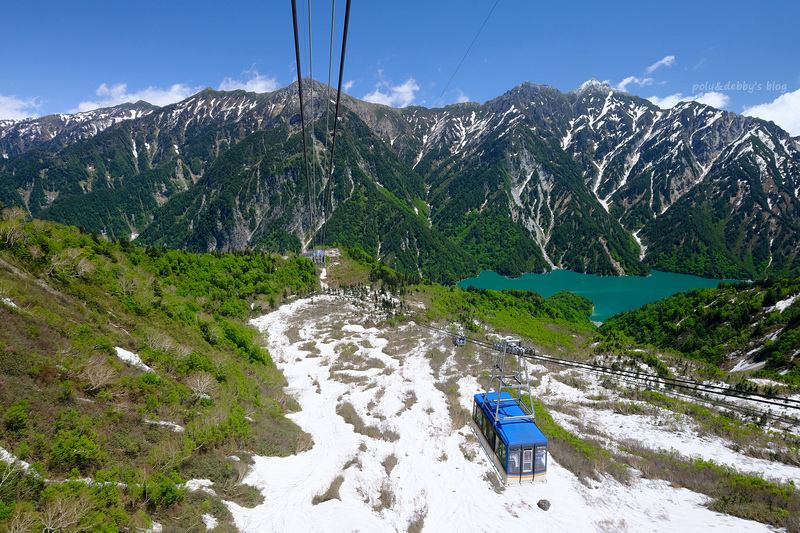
pixel 593 85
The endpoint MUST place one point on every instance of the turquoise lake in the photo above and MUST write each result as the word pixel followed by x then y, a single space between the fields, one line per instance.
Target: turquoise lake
pixel 610 294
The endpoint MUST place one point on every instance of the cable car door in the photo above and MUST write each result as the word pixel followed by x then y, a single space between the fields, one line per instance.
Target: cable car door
pixel 527 464
pixel 513 463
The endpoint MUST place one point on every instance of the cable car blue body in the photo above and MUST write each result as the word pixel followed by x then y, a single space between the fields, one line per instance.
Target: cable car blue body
pixel 517 447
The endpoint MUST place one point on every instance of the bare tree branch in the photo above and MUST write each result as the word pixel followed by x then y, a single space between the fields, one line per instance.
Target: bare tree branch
pixel 22 521
pixel 127 285
pixel 99 376
pixel 11 469
pixel 62 512
pixel 65 261
pixel 13 213
pixel 84 267
pixel 13 233
pixel 159 341
pixel 202 383
pixel 182 351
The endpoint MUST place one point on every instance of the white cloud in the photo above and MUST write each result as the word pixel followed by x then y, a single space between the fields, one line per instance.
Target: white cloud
pixel 712 98
pixel 668 101
pixel 462 97
pixel 783 111
pixel 253 82
pixel 668 61
pixel 394 96
pixel 118 94
pixel 346 86
pixel 14 108
pixel 633 79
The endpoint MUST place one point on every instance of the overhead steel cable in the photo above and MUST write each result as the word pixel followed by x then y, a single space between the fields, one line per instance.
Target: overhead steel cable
pixel 313 185
pixel 792 403
pixel 302 114
pixel 336 113
pixel 467 52
pixel 676 382
pixel 636 377
pixel 649 381
pixel 632 376
pixel 701 396
pixel 327 129
pixel 328 90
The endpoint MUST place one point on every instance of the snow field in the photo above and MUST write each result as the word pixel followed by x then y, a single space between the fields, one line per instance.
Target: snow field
pixel 665 430
pixel 433 481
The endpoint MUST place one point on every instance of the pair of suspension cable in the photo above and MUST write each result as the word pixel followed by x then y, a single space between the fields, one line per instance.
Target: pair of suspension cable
pixel 681 387
pixel 309 182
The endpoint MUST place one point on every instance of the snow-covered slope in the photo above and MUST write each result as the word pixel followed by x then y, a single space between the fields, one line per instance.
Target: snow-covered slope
pixel 411 466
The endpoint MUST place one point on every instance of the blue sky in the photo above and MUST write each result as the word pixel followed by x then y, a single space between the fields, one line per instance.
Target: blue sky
pixel 61 57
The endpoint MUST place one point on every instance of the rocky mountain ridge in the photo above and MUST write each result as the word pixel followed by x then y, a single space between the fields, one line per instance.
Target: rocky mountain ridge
pixel 594 180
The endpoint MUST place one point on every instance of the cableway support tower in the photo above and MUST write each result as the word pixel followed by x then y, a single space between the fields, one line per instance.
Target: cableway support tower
pixel 510 374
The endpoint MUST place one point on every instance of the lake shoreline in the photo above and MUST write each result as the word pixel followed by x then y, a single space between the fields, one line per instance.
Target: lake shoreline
pixel 609 294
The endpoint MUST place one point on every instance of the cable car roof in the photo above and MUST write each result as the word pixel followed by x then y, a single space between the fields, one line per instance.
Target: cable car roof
pixel 518 432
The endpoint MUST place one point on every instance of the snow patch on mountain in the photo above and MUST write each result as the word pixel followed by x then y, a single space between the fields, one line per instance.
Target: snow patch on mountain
pixel 132 359
pixel 642 246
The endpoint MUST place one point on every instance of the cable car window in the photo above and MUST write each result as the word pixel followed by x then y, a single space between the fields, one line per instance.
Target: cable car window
pixel 541 459
pixel 500 449
pixel 490 436
pixel 513 462
pixel 527 461
pixel 476 412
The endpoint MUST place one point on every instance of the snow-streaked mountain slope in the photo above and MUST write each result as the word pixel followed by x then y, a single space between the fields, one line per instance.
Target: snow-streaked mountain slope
pixel 532 180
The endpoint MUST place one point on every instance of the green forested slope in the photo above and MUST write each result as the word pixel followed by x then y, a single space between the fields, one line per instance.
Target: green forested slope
pixel 732 320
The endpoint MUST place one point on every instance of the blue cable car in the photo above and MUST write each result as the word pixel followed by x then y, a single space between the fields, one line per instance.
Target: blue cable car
pixel 513 442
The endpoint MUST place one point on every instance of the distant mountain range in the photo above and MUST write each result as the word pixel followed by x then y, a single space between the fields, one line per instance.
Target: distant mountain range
pixel 593 180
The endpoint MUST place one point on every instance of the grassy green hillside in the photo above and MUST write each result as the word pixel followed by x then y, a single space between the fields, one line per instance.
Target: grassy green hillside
pixel 109 443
